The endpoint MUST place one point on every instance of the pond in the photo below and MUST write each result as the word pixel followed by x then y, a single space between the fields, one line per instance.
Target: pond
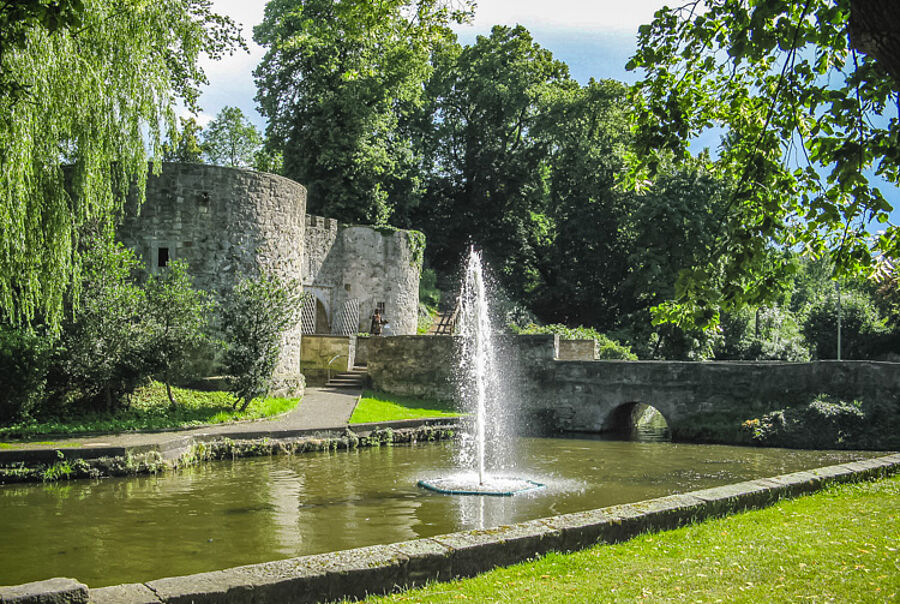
pixel 225 514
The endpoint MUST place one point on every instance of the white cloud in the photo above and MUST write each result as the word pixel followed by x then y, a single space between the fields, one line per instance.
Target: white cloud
pixel 203 119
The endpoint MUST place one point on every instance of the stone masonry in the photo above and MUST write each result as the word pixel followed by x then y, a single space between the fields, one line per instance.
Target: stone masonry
pixel 228 223
pixel 583 396
pixel 364 266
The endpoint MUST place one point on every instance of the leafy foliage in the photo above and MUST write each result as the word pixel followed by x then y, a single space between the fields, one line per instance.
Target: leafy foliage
pixel 859 323
pixel 339 84
pixel 177 318
pixel 826 423
pixel 769 333
pixel 484 166
pixel 95 84
pixel 231 140
pixel 183 145
pixel 254 317
pixel 807 120
pixel 102 351
pixel 25 356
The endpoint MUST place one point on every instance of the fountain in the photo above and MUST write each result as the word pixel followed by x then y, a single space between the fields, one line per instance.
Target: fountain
pixel 479 390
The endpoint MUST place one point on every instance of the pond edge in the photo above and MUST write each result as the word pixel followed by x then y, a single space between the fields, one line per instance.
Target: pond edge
pixel 377 569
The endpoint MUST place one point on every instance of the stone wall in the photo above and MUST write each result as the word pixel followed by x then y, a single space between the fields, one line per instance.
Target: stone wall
pixel 366 264
pixel 576 350
pixel 583 395
pixel 319 350
pixel 425 366
pixel 226 223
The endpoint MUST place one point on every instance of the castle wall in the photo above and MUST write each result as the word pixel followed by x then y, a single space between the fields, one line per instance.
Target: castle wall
pixel 226 223
pixel 367 264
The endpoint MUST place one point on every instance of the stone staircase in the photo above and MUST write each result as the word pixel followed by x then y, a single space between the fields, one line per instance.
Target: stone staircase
pixel 444 323
pixel 355 379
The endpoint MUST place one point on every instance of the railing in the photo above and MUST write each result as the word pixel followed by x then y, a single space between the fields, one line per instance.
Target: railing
pixel 447 322
pixel 328 368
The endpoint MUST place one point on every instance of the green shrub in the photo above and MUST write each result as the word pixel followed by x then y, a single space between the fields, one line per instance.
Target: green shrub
pixel 176 318
pixel 770 334
pixel 827 423
pixel 859 323
pixel 254 317
pixel 429 294
pixel 102 352
pixel 25 356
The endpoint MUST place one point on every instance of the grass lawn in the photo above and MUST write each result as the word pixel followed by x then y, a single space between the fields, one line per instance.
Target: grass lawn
pixel 381 407
pixel 149 409
pixel 840 545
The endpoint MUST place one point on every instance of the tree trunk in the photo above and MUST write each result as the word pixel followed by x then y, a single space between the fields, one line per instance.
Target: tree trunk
pixel 875 31
pixel 172 402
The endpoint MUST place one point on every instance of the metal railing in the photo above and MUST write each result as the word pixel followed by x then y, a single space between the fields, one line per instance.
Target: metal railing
pixel 328 368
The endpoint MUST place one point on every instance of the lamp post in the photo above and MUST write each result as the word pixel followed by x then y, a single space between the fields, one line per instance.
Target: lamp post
pixel 837 287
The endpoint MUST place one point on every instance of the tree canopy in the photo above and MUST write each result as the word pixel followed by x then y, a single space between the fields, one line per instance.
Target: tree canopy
pixel 339 84
pixel 93 87
pixel 231 139
pixel 808 121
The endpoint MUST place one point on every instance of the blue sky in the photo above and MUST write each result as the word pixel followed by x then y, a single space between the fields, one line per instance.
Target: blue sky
pixel 595 39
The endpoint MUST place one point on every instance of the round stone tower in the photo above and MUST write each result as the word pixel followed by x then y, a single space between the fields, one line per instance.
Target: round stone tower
pixel 226 223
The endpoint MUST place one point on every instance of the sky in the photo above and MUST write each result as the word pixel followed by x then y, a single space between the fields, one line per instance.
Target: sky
pixel 595 38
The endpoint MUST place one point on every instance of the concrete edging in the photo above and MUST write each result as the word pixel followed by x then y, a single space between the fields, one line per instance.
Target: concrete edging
pixel 100 461
pixel 384 568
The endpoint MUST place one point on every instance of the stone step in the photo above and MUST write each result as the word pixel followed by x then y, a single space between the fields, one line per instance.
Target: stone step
pixel 357 378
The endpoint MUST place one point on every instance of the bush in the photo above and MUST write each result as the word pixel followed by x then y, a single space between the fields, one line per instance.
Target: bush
pixel 429 294
pixel 102 352
pixel 604 346
pixel 859 324
pixel 254 317
pixel 826 423
pixel 176 318
pixel 24 364
pixel 770 334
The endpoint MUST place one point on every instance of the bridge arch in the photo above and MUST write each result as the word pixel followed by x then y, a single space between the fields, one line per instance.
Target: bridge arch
pixel 635 420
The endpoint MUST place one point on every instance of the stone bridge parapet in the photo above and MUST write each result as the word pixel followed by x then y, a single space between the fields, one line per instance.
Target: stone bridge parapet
pixel 582 395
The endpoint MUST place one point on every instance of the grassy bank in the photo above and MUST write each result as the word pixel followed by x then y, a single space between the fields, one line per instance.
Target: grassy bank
pixel 840 545
pixel 382 407
pixel 148 408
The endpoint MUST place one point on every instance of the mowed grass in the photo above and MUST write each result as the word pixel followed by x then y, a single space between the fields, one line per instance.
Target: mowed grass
pixel 148 408
pixel 840 545
pixel 381 407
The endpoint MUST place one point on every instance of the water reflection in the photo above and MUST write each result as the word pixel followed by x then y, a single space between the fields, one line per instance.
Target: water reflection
pixel 231 513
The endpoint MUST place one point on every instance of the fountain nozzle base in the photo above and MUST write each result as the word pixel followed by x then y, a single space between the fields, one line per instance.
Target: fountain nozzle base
pixel 495 487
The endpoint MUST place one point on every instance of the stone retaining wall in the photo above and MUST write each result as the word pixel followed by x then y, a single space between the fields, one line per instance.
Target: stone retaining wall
pixel 319 350
pixel 383 568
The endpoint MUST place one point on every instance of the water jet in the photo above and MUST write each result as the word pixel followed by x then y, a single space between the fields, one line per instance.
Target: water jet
pixel 480 394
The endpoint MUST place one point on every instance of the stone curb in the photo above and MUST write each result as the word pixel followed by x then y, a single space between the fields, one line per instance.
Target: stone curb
pixel 174 447
pixel 383 568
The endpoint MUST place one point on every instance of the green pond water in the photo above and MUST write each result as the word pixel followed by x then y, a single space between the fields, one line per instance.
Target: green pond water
pixel 227 514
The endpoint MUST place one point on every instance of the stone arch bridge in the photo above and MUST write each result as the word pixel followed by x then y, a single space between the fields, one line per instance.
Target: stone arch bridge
pixel 699 400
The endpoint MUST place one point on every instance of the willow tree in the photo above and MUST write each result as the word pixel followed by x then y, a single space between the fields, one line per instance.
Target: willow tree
pixel 94 89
